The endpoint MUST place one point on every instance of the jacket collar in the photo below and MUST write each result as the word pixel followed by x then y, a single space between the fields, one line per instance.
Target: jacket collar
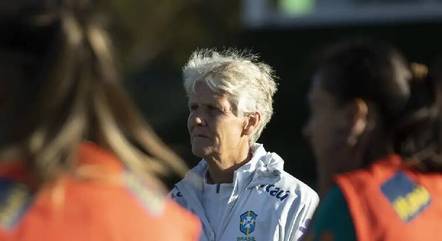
pixel 263 167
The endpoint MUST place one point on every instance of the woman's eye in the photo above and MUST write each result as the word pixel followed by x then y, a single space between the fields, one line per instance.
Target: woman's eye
pixel 192 107
pixel 214 109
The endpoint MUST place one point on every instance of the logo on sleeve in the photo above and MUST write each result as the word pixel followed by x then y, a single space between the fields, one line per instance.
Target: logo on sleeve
pixel 303 228
pixel 407 198
pixel 15 199
pixel 275 191
pixel 247 225
pixel 175 193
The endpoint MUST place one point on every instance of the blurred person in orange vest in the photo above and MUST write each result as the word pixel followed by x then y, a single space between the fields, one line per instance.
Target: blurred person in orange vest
pixel 375 131
pixel 77 160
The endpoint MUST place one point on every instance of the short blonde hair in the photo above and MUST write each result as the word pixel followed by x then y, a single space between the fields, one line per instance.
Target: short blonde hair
pixel 249 84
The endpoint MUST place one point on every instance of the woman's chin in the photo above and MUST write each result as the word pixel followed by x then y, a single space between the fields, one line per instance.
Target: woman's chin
pixel 200 151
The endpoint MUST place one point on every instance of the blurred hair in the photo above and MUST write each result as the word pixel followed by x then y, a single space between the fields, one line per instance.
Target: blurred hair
pixel 399 92
pixel 418 136
pixel 249 84
pixel 370 70
pixel 63 89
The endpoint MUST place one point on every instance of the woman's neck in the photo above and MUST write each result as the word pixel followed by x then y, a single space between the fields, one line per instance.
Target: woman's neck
pixel 221 170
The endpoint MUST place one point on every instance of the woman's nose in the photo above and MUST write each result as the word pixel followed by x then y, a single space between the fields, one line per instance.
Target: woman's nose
pixel 197 119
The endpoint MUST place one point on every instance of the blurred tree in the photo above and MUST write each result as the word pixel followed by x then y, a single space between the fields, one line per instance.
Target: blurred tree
pixel 144 30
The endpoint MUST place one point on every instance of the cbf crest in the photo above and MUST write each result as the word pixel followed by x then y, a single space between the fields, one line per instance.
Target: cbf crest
pixel 247 222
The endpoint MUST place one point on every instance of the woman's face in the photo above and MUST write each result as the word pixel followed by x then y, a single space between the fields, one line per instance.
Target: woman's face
pixel 214 129
pixel 327 131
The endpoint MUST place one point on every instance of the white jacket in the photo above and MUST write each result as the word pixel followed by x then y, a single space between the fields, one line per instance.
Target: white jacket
pixel 266 204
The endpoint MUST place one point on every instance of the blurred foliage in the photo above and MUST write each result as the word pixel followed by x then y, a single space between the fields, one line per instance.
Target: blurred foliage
pixel 144 30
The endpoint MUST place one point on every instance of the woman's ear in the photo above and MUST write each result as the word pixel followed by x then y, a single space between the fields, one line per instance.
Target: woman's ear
pixel 358 110
pixel 252 121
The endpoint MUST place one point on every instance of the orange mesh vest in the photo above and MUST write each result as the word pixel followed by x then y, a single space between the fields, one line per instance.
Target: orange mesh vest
pixel 111 205
pixel 390 202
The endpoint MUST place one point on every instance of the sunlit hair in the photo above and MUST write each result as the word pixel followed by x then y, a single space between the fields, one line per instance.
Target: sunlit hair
pixel 77 97
pixel 249 84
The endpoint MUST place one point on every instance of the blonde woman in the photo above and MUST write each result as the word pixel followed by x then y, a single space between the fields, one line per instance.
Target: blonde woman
pixel 239 190
pixel 77 160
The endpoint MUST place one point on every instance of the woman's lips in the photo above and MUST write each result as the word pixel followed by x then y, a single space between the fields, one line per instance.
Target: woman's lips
pixel 200 136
